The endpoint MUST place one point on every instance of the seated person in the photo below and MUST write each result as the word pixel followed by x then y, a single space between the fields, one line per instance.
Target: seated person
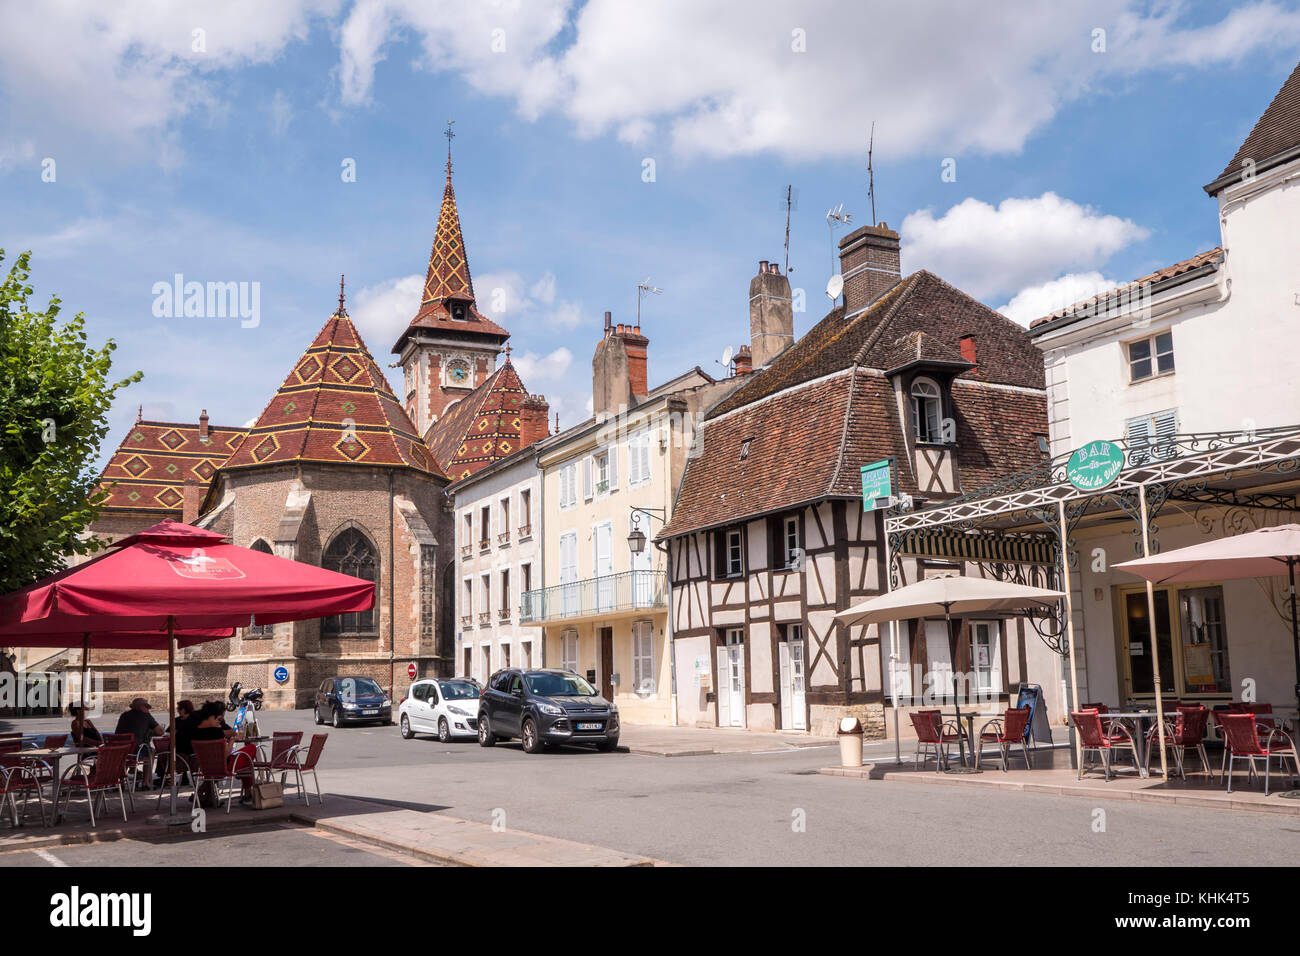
pixel 207 723
pixel 184 710
pixel 84 731
pixel 139 723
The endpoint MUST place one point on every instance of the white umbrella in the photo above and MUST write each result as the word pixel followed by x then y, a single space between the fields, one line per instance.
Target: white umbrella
pixel 948 595
pixel 1263 553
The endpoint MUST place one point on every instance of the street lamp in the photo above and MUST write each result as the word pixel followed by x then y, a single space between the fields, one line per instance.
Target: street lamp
pixel 636 539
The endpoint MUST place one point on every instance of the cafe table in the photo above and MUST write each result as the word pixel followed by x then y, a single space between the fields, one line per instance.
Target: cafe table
pixel 1140 718
pixel 54 757
pixel 970 719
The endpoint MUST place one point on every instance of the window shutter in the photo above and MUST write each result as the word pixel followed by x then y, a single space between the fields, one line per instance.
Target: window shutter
pixel 1166 423
pixel 787 714
pixel 722 688
pixel 613 468
pixel 1138 433
pixel 587 479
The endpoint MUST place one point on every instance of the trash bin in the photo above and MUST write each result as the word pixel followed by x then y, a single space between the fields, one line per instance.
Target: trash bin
pixel 850 734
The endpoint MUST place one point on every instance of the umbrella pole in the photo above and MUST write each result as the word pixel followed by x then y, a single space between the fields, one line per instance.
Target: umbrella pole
pixel 1155 637
pixel 85 673
pixel 1295 627
pixel 171 705
pixel 956 701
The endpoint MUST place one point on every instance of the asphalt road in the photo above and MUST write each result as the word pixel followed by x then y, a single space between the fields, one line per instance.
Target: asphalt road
pixel 771 808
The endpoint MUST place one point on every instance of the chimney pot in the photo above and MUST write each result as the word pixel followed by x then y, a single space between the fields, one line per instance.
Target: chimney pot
pixel 203 424
pixel 762 265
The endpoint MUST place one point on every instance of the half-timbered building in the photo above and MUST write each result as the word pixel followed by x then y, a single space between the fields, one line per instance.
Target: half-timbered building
pixel 771 533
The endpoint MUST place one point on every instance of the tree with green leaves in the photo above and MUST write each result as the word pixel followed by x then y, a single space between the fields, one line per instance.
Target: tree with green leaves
pixel 55 394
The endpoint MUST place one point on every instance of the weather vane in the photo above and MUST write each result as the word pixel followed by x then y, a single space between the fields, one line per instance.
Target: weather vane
pixel 450 134
pixel 342 311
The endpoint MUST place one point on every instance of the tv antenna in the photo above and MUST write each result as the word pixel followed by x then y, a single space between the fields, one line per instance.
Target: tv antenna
pixel 789 203
pixel 834 215
pixel 871 175
pixel 643 289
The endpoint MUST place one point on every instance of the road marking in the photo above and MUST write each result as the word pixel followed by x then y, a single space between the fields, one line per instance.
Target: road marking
pixel 49 858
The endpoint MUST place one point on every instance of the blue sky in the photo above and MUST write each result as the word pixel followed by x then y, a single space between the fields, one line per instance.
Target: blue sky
pixel 1076 166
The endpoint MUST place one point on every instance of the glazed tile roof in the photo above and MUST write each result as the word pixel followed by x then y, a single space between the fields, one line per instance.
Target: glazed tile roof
pixel 149 469
pixel 482 427
pixel 811 420
pixel 447 280
pixel 1208 257
pixel 1277 132
pixel 335 406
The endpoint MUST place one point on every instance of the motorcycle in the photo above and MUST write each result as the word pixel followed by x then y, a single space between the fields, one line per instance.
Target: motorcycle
pixel 243 698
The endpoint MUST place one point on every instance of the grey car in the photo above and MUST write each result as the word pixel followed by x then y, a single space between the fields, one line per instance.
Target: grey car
pixel 545 706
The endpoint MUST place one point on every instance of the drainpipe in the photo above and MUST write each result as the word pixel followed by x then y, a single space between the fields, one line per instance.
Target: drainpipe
pixel 541 550
pixel 392 584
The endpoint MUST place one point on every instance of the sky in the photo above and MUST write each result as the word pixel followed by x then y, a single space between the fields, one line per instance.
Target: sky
pixel 1029 153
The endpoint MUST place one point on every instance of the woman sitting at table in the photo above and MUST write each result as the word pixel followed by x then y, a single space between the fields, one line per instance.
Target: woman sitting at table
pixel 83 730
pixel 208 723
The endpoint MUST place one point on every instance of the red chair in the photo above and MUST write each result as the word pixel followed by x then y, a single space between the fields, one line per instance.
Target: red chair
pixel 1184 732
pixel 11 745
pixel 1243 737
pixel 20 776
pixel 1099 708
pixel 282 743
pixel 108 774
pixel 1008 731
pixel 1103 743
pixel 304 761
pixel 55 741
pixel 933 736
pixel 117 740
pixel 212 766
pixel 162 755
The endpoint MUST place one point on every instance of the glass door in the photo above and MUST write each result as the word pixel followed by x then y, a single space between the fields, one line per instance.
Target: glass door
pixel 1137 649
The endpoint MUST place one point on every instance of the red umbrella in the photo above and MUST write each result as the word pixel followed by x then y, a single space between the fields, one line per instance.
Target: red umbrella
pixel 174 578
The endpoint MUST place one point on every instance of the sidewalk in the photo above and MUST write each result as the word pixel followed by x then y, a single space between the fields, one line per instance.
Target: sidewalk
pixel 704 741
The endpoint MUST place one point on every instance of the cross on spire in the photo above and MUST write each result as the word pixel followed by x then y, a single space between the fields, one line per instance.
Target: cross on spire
pixel 507 353
pixel 450 134
pixel 342 310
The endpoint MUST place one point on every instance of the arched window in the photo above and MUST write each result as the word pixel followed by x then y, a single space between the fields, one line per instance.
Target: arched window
pixel 351 553
pixel 261 630
pixel 927 411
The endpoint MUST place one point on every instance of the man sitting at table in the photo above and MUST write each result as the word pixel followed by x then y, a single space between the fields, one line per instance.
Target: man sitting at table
pixel 139 723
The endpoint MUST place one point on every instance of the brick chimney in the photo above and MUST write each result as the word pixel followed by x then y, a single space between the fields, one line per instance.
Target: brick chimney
pixel 191 498
pixel 968 348
pixel 534 418
pixel 203 425
pixel 771 316
pixel 869 264
pixel 618 369
pixel 744 361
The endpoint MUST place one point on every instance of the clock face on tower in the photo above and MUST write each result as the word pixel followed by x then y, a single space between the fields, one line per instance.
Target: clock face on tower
pixel 458 372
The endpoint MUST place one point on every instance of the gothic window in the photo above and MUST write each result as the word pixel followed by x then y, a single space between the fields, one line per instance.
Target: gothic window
pixel 352 553
pixel 261 630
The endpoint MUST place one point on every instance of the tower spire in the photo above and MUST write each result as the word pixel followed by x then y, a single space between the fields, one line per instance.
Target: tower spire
pixel 342 310
pixel 448 273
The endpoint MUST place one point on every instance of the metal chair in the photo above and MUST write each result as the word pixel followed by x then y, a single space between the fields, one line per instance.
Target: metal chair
pixel 282 743
pixel 19 776
pixel 1184 732
pixel 1008 730
pixel 1102 742
pixel 162 753
pixel 212 766
pixel 304 761
pixel 933 737
pixel 1243 735
pixel 107 774
pixel 55 741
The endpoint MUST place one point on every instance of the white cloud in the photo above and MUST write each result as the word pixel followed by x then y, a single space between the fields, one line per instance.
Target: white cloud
pixel 508 297
pixel 281 114
pixel 1040 300
pixel 538 370
pixel 726 80
pixel 989 251
pixel 383 310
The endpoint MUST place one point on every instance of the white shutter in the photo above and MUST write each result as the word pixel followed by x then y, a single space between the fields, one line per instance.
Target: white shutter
pixel 1137 431
pixel 588 481
pixel 723 689
pixel 613 468
pixel 784 652
pixel 1166 423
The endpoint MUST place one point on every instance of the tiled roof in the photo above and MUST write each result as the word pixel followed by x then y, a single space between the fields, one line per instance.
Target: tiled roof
pixel 335 406
pixel 811 422
pixel 1278 131
pixel 482 427
pixel 447 280
pixel 149 469
pixel 1210 256
pixel 922 302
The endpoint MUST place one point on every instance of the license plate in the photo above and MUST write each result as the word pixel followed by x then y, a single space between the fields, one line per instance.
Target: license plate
pixel 589 726
pixel 367 713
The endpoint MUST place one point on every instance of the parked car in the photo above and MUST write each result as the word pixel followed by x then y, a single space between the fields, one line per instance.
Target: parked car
pixel 352 699
pixel 546 706
pixel 448 708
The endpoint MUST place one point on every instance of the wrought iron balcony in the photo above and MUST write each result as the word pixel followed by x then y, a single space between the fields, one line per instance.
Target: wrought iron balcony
pixel 610 595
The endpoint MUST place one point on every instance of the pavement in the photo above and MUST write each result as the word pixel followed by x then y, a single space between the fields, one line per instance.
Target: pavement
pixel 766 803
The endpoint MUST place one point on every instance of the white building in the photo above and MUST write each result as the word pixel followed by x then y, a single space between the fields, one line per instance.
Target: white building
pixel 498 540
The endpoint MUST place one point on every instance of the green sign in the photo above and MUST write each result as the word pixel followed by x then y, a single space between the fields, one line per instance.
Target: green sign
pixel 876 482
pixel 1095 465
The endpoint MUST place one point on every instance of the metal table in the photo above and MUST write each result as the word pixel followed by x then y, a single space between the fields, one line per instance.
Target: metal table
pixel 54 758
pixel 970 731
pixel 1139 718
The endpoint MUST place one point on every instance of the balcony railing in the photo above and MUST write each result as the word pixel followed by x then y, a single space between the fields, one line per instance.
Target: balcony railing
pixel 485 617
pixel 503 538
pixel 466 550
pixel 503 613
pixel 525 531
pixel 467 620
pixel 593 597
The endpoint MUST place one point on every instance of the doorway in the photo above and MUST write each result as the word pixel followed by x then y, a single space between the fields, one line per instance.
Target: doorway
pixel 1191 634
pixel 607 663
pixel 794 704
pixel 731 679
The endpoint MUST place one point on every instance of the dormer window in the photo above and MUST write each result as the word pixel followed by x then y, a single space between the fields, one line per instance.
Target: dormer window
pixel 927 411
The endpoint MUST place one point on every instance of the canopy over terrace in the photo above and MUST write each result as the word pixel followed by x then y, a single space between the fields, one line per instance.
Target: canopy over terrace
pixel 1028 521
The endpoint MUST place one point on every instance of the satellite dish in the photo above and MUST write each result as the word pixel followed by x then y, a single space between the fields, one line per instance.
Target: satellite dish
pixel 834 287
pixel 726 355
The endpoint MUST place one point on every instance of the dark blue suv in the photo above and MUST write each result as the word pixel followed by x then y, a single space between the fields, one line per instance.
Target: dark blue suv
pixel 547 706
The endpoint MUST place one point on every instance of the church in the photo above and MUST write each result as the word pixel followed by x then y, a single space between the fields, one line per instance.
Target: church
pixel 339 472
